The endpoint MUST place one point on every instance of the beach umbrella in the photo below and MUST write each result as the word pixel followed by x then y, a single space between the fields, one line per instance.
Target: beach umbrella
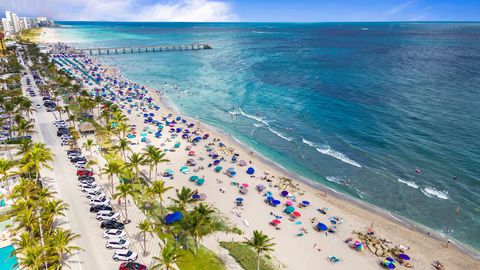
pixel 260 187
pixel 184 169
pixel 242 163
pixel 191 153
pixel 275 202
pixel 245 185
pixel 404 257
pixel 230 169
pixel 218 168
pixel 289 203
pixel 200 181
pixel 239 199
pixel 321 227
pixel 193 178
pixel 232 173
pixel 390 263
pixel 250 170
pixel 169 171
pixel 284 193
pixel 275 222
pixel 289 209
pixel 360 246
pixel 305 203
pixel 296 214
pixel 143 134
pixel 203 196
pixel 195 196
pixel 216 162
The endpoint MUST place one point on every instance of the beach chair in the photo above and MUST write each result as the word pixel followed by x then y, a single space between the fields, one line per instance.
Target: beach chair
pixel 333 259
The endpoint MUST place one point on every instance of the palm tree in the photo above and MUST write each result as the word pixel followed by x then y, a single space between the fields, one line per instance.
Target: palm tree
pixel 122 129
pixel 157 189
pixel 37 158
pixel 261 243
pixel 61 242
pixel 197 226
pixel 184 197
pixel 52 209
pixel 24 127
pixel 24 146
pixel 123 146
pixel 134 162
pixel 33 257
pixel 170 255
pixel 6 165
pixel 88 144
pixel 145 227
pixel 154 156
pixel 123 191
pixel 111 169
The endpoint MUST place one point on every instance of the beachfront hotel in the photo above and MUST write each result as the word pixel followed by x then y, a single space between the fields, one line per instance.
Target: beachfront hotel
pixel 12 24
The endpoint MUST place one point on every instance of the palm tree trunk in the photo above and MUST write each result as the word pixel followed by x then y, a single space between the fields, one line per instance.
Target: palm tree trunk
pixel 111 182
pixel 144 243
pixel 258 261
pixel 126 212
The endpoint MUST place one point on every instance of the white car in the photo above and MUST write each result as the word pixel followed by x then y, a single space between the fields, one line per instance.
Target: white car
pixel 114 233
pixel 91 189
pixel 107 215
pixel 38 106
pixel 87 184
pixel 125 255
pixel 100 201
pixel 96 194
pixel 117 243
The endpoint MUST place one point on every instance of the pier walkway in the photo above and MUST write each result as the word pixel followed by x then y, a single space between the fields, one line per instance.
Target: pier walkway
pixel 144 49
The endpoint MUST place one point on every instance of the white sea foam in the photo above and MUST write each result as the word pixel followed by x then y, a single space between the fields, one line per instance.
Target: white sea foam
pixel 364 29
pixel 307 142
pixel 256 118
pixel 234 112
pixel 335 179
pixel 280 135
pixel 433 192
pixel 327 150
pixel 257 125
pixel 408 183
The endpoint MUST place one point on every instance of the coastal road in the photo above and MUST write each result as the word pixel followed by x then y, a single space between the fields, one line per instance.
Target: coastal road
pixel 63 179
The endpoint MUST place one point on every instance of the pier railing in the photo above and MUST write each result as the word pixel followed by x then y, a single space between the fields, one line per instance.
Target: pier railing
pixel 144 49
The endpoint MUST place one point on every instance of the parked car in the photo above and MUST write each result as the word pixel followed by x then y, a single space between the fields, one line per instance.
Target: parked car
pixel 95 194
pixel 107 215
pixel 81 178
pixel 84 172
pixel 86 189
pixel 87 184
pixel 114 233
pixel 125 255
pixel 96 208
pixel 38 106
pixel 100 201
pixel 131 266
pixel 77 159
pixel 117 243
pixel 110 224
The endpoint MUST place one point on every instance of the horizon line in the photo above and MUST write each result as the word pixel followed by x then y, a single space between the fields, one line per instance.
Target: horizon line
pixel 399 21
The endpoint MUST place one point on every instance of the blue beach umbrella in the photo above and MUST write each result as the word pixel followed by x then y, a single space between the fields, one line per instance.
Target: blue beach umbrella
pixel 321 227
pixel 250 170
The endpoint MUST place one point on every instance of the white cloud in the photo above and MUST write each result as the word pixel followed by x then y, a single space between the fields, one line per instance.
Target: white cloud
pixel 399 8
pixel 124 10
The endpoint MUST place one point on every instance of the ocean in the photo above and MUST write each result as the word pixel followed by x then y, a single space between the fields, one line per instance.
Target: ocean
pixel 384 112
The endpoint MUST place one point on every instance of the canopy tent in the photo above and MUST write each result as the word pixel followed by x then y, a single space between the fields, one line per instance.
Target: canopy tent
pixel 173 217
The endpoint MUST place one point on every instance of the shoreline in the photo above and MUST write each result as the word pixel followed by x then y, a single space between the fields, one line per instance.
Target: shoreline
pixel 415 227
pixel 310 187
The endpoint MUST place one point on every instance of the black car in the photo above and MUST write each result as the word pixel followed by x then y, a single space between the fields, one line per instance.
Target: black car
pixel 96 208
pixel 61 132
pixel 110 224
pixel 77 159
pixel 80 178
pixel 74 152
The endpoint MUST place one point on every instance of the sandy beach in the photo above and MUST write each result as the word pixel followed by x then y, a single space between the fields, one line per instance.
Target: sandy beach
pixel 298 244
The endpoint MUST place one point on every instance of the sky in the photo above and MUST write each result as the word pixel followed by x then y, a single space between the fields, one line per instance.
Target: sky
pixel 248 10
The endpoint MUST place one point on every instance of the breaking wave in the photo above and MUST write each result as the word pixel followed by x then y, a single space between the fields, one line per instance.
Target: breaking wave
pixel 433 192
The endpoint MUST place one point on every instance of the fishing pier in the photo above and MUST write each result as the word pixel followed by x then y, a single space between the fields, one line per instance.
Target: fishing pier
pixel 144 49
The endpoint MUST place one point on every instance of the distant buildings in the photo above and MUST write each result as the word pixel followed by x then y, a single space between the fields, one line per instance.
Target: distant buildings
pixel 12 24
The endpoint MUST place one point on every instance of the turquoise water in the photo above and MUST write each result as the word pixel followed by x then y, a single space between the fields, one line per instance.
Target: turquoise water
pixel 384 112
pixel 7 263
